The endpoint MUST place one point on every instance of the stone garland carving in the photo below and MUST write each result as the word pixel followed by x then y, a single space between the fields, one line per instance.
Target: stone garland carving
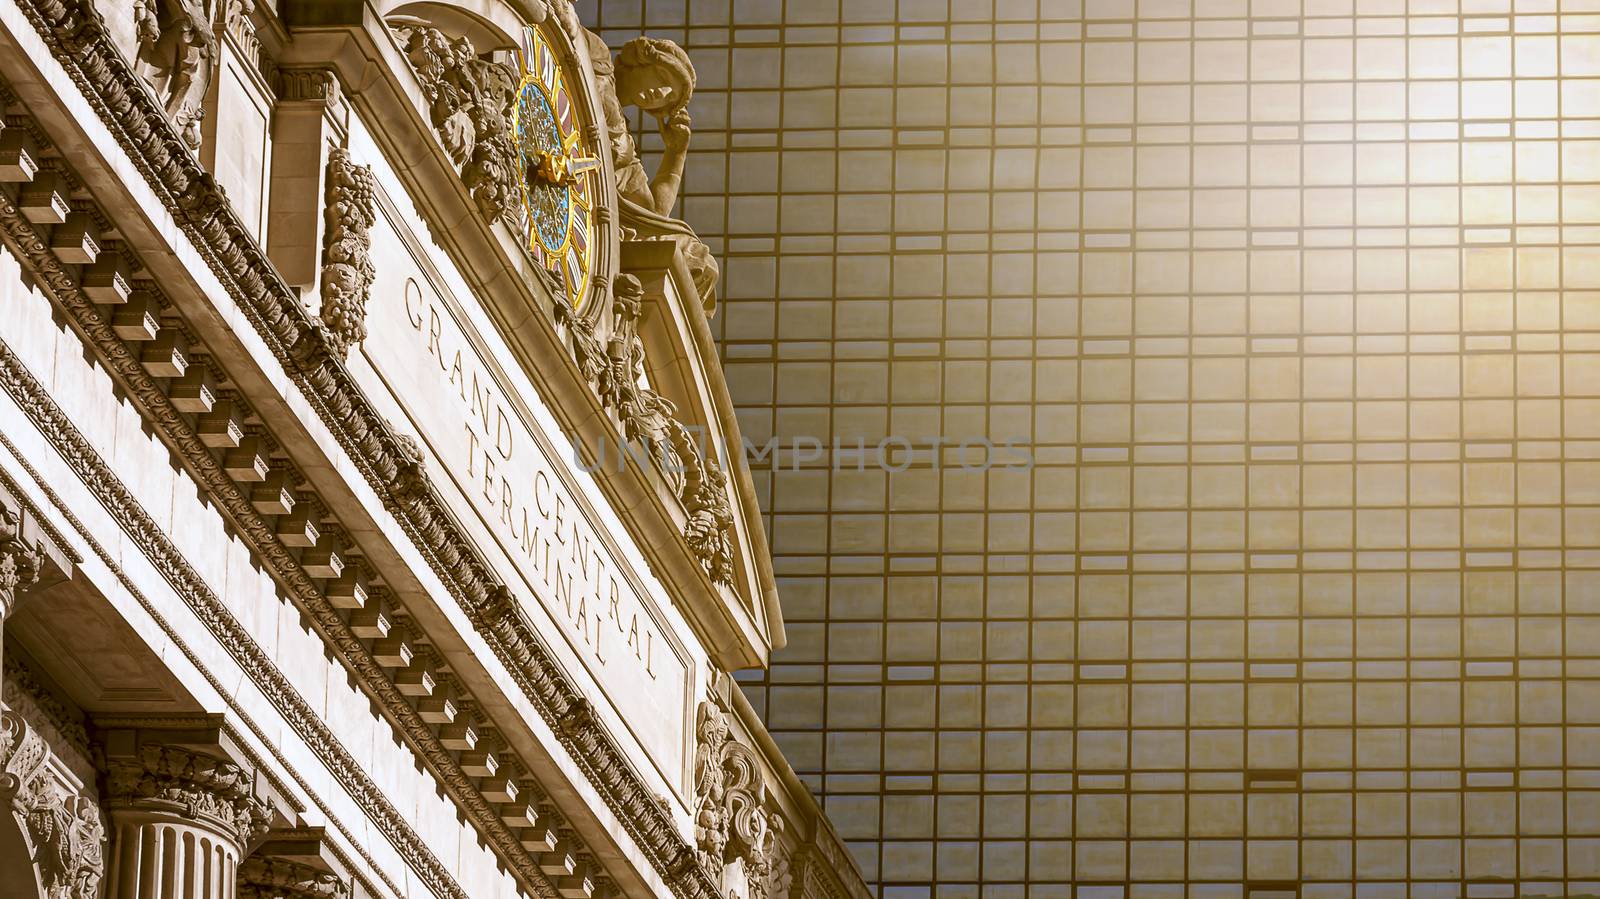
pixel 277 878
pixel 78 39
pixel 19 562
pixel 616 371
pixel 469 104
pixel 66 830
pixel 731 819
pixel 177 57
pixel 347 270
pixel 705 498
pixel 197 786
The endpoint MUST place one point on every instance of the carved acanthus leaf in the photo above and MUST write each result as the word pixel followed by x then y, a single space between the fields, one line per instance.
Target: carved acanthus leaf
pixel 347 270
pixel 732 822
pixel 278 878
pixel 19 562
pixel 196 786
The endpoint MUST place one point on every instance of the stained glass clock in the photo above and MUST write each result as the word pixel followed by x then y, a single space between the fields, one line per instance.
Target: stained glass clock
pixel 559 167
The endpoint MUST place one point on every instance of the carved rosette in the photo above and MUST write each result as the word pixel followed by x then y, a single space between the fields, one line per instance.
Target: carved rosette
pixel 469 104
pixel 192 786
pixel 65 829
pixel 19 562
pixel 347 269
pixel 732 822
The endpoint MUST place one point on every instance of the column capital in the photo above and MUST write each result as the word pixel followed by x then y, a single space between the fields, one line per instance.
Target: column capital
pixel 19 562
pixel 33 554
pixel 279 878
pixel 179 767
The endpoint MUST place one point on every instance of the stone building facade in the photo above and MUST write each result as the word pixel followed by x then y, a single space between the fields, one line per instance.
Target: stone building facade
pixel 1293 304
pixel 367 527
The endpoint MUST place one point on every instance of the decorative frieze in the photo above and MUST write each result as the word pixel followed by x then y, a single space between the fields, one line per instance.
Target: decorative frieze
pixel 308 85
pixel 347 270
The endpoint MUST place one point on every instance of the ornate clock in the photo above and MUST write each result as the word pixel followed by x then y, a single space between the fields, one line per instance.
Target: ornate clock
pixel 559 167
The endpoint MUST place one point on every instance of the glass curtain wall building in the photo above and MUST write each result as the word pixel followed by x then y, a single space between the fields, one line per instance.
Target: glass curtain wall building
pixel 1271 565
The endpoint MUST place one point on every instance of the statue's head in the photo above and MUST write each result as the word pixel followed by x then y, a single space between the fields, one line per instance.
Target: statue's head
pixel 654 75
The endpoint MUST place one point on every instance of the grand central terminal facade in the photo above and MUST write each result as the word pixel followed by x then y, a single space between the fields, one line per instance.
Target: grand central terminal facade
pixel 367 523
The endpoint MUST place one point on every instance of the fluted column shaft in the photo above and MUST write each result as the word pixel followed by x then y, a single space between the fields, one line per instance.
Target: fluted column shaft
pixel 163 856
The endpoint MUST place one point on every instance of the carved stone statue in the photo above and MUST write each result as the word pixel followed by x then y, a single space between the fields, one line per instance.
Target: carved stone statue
pixel 177 55
pixel 347 270
pixel 656 76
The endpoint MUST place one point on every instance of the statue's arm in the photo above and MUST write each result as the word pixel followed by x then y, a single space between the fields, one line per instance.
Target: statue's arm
pixel 669 173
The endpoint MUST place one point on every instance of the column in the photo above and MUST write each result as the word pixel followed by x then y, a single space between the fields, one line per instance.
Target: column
pixel 181 820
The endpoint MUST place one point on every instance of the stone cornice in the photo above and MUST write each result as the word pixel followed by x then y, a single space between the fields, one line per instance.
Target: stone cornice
pixel 78 39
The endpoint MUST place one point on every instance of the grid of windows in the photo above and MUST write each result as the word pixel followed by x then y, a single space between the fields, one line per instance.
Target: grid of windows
pixel 1293 307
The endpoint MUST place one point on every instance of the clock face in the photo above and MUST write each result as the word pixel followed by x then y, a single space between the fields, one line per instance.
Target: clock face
pixel 559 168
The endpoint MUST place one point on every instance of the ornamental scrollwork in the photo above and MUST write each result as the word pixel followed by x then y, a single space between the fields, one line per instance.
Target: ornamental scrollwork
pixel 177 56
pixel 197 786
pixel 732 822
pixel 65 829
pixel 347 269
pixel 469 104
